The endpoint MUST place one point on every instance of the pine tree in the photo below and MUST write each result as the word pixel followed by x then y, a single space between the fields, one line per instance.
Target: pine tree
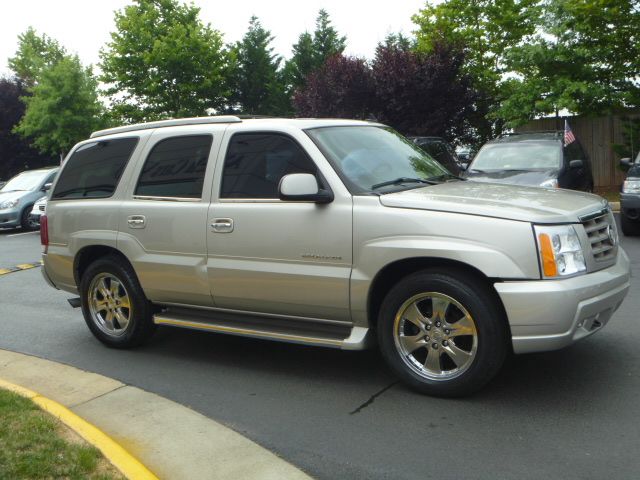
pixel 258 88
pixel 312 51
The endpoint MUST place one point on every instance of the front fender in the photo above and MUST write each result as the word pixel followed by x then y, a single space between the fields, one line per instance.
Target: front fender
pixel 376 255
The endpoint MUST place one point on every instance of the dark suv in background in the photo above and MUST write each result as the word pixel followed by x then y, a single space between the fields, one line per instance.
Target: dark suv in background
pixel 533 158
pixel 630 198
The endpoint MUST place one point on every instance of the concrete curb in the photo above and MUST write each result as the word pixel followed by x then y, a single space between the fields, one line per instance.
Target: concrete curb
pixel 171 440
pixel 129 466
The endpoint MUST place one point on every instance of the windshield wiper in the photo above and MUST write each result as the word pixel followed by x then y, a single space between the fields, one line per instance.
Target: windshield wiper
pixel 400 180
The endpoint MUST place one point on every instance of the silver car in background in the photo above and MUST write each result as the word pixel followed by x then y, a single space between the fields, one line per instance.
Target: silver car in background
pixel 20 193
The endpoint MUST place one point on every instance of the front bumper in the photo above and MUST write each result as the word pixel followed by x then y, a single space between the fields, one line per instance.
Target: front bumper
pixel 551 314
pixel 9 218
pixel 35 215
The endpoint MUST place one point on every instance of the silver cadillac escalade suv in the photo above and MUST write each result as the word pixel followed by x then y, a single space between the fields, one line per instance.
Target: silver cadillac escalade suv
pixel 334 233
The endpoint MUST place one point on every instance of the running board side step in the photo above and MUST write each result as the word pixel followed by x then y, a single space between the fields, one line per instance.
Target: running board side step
pixel 345 337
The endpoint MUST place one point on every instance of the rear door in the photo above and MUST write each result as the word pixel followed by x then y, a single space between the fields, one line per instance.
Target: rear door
pixel 162 222
pixel 272 256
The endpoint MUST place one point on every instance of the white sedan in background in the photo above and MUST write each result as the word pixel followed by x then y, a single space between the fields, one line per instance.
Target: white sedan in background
pixel 37 210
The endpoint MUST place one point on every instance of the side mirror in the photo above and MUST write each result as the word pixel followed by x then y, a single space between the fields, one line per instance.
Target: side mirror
pixel 576 164
pixel 625 162
pixel 303 187
pixel 46 187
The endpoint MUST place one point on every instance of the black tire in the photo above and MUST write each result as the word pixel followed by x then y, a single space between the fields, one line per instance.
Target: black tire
pixel 490 337
pixel 140 326
pixel 629 227
pixel 25 221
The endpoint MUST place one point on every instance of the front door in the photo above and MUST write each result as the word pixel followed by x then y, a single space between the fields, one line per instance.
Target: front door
pixel 271 256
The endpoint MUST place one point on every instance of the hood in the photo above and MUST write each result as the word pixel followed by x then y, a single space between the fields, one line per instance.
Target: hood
pixel 529 204
pixel 515 177
pixel 4 196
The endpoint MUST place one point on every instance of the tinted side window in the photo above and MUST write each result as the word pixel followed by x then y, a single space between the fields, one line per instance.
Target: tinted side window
pixel 175 167
pixel 94 169
pixel 256 162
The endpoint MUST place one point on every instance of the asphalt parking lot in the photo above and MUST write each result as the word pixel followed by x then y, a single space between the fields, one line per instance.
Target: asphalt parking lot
pixel 570 414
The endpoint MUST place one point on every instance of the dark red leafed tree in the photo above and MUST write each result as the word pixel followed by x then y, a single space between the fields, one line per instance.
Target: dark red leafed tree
pixel 422 93
pixel 15 153
pixel 341 88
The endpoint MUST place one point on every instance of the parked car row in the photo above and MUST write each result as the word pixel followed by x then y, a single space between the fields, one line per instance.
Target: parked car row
pixel 533 158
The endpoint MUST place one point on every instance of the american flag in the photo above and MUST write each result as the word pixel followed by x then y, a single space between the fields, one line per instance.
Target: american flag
pixel 568 134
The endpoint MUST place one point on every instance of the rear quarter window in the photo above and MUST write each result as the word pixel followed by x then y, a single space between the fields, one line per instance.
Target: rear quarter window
pixel 94 169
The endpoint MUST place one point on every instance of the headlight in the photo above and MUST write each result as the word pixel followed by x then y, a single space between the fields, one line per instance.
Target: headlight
pixel 551 183
pixel 560 251
pixel 9 204
pixel 631 186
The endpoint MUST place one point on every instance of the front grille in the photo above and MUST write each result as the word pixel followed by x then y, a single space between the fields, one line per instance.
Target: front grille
pixel 602 236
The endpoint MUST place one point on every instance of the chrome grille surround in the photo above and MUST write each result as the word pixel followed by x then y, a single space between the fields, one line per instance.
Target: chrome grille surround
pixel 602 234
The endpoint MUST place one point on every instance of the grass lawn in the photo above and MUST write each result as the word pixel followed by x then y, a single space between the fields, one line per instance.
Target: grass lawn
pixel 35 445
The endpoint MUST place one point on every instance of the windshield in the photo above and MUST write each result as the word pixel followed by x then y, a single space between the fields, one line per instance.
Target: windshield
pixel 517 156
pixel 372 158
pixel 25 181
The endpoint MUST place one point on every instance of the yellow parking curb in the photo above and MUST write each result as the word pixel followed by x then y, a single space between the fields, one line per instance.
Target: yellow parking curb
pixel 20 267
pixel 118 456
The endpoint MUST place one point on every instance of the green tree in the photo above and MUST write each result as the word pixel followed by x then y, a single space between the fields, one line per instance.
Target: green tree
pixel 326 41
pixel 585 59
pixel 301 62
pixel 162 61
pixel 311 52
pixel 35 53
pixel 63 107
pixel 488 30
pixel 257 85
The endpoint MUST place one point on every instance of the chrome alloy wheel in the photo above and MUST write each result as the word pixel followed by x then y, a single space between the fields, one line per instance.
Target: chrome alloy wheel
pixel 435 336
pixel 109 304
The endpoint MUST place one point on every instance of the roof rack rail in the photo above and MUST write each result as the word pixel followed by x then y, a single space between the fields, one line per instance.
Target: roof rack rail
pixel 168 123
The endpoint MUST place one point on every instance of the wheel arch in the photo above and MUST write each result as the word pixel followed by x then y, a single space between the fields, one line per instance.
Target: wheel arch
pixel 86 255
pixel 391 273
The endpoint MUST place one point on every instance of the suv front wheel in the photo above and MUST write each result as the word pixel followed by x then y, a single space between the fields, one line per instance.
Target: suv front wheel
pixel 442 333
pixel 114 305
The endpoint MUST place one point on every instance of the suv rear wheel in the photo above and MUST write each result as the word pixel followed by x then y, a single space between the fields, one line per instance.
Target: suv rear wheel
pixel 114 305
pixel 442 333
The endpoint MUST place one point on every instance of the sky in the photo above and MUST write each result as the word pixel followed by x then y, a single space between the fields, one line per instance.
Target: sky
pixel 83 26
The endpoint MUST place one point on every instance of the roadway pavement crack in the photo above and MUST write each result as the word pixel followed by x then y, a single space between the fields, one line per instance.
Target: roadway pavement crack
pixel 372 398
pixel 96 397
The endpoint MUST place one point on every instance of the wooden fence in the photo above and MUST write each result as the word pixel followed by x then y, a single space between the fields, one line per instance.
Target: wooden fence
pixel 597 135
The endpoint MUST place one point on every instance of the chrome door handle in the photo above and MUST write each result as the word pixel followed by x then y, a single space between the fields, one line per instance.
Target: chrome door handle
pixel 222 225
pixel 136 221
